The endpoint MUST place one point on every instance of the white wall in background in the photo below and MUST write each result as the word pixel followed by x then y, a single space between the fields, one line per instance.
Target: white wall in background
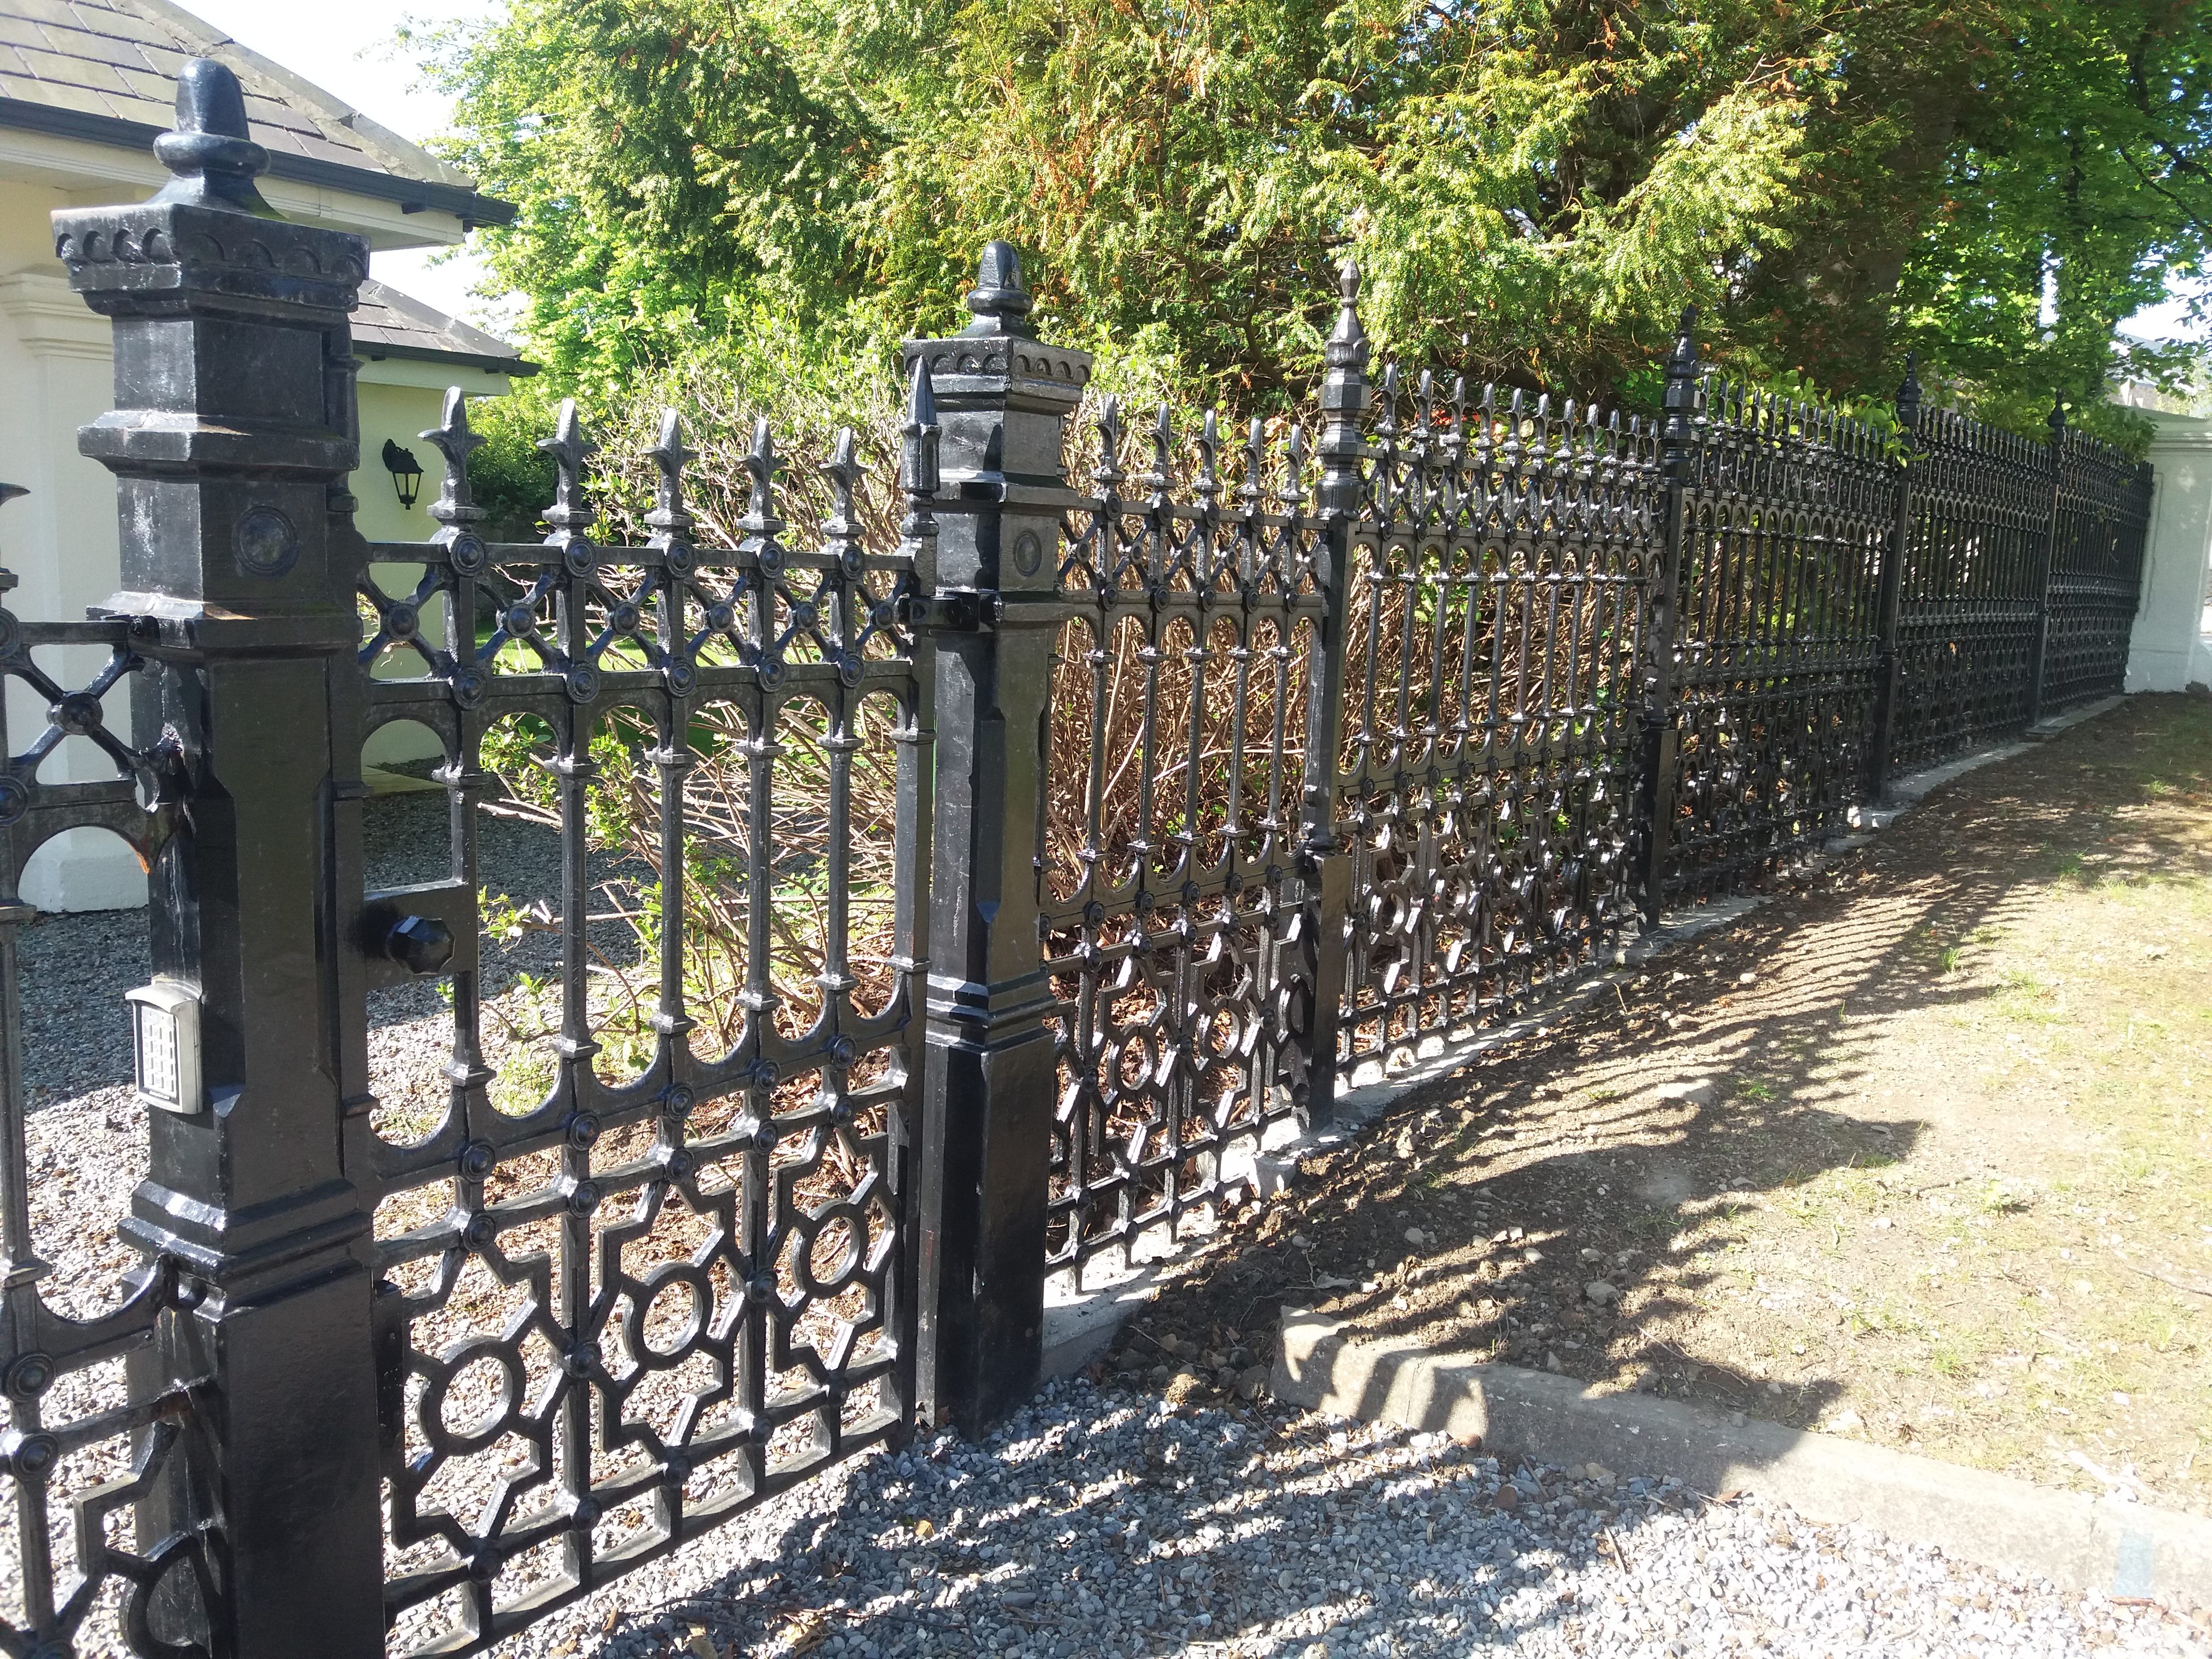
pixel 2170 649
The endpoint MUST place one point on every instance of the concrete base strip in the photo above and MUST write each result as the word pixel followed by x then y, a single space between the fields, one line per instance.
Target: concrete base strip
pixel 2084 1543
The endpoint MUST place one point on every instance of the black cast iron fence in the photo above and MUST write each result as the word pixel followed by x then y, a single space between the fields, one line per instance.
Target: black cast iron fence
pixel 1011 886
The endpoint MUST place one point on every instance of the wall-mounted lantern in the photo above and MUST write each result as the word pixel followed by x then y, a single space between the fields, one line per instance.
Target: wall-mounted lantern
pixel 406 472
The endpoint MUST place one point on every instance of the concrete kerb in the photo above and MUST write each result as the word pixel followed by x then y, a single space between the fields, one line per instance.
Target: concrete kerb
pixel 1081 1319
pixel 2121 1549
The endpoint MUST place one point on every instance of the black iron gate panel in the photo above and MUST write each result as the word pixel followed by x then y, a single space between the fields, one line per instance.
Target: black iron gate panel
pixel 1789 510
pixel 2096 569
pixel 1499 575
pixel 1174 758
pixel 643 1228
pixel 91 1428
pixel 1980 520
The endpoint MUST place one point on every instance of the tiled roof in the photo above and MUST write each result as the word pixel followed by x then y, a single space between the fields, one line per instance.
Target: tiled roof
pixel 390 324
pixel 119 59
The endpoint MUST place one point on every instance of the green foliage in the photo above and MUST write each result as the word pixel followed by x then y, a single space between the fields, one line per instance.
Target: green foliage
pixel 510 479
pixel 1550 179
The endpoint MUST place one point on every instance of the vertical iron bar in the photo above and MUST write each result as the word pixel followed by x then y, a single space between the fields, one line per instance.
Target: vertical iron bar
pixel 2046 565
pixel 1660 714
pixel 1889 593
pixel 1001 397
pixel 1324 860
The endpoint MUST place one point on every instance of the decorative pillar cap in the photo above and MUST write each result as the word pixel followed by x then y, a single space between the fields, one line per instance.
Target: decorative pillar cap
pixel 211 153
pixel 1682 361
pixel 1347 346
pixel 999 300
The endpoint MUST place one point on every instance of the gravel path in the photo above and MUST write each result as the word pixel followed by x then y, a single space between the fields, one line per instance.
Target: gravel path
pixel 75 968
pixel 1101 1523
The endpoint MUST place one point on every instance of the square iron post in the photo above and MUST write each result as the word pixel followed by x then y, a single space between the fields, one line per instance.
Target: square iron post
pixel 1324 861
pixel 990 1076
pixel 2040 648
pixel 1678 462
pixel 1889 590
pixel 230 442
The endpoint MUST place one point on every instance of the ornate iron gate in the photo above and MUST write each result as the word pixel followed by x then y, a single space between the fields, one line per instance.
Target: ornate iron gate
pixel 519 1208
pixel 678 1279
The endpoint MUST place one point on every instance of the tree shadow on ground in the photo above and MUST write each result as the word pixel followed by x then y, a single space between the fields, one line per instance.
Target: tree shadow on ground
pixel 1571 1200
pixel 1023 1548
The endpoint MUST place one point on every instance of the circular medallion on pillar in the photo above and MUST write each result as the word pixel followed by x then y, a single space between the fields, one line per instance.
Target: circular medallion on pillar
pixel 265 543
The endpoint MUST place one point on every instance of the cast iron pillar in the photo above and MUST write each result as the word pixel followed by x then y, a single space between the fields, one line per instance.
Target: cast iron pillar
pixel 2047 567
pixel 989 1081
pixel 1889 591
pixel 230 437
pixel 1324 861
pixel 1678 468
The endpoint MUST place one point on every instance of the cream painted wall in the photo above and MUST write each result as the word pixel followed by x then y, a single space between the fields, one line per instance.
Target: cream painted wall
pixel 2171 648
pixel 56 375
pixel 59 540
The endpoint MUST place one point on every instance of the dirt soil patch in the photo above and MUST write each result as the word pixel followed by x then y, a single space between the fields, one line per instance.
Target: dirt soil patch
pixel 1917 1152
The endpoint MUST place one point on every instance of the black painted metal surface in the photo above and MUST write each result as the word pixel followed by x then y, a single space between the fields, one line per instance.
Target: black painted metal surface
pixel 1789 508
pixel 1008 883
pixel 680 1277
pixel 1502 560
pixel 75 1452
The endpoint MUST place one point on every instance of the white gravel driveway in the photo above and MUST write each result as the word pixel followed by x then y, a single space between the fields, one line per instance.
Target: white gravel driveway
pixel 1099 1524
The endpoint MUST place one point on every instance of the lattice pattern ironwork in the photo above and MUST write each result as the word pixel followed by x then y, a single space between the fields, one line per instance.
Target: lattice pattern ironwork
pixel 1179 702
pixel 1789 510
pixel 663 1273
pixel 1980 523
pixel 80 1450
pixel 1500 564
pixel 2096 570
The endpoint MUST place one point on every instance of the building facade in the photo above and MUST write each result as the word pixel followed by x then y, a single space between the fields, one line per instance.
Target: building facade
pixel 85 86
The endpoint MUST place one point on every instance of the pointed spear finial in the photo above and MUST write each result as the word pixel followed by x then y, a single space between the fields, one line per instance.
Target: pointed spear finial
pixel 569 449
pixel 999 300
pixel 669 457
pixel 761 463
pixel 918 475
pixel 841 529
pixel 210 151
pixel 451 438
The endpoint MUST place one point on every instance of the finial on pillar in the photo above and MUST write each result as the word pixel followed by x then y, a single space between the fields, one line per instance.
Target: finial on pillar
pixel 1347 341
pixel 1908 396
pixel 999 301
pixel 1682 363
pixel 1680 400
pixel 2057 420
pixel 211 152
